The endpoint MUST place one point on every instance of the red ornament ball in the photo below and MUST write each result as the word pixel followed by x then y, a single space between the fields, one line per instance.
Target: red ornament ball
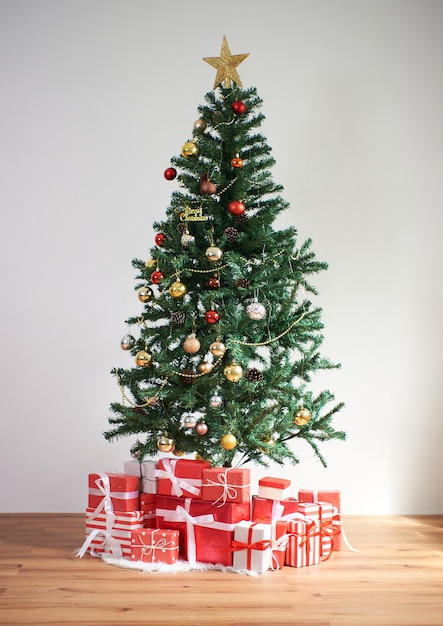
pixel 212 316
pixel 160 239
pixel 170 173
pixel 236 207
pixel 157 277
pixel 238 107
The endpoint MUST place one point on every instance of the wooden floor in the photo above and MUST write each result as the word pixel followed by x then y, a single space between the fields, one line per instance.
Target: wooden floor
pixel 395 579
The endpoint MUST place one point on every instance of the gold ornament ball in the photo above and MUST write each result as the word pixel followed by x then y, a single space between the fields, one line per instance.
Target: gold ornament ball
pixel 143 358
pixel 145 294
pixel 191 344
pixel 217 348
pixel 233 372
pixel 189 149
pixel 228 441
pixel 177 289
pixel 269 442
pixel 213 254
pixel 205 367
pixel 302 416
pixel 165 444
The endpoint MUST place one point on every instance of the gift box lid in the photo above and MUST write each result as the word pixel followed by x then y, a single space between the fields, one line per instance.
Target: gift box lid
pixel 276 483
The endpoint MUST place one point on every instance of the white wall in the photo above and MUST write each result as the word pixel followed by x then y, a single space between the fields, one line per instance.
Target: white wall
pixel 95 98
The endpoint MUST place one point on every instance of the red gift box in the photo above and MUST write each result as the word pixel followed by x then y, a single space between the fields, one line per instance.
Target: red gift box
pixel 273 488
pixel 147 505
pixel 303 547
pixel 110 532
pixel 180 477
pixel 206 531
pixel 334 498
pixel 116 491
pixel 225 484
pixel 154 545
pixel 263 508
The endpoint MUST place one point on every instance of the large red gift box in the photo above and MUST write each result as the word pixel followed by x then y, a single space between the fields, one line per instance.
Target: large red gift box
pixel 113 491
pixel 206 531
pixel 303 546
pixel 334 498
pixel 262 508
pixel 110 532
pixel 147 505
pixel 180 477
pixel 225 484
pixel 155 545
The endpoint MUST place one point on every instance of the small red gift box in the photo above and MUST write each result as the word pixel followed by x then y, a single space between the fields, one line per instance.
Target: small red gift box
pixel 303 547
pixel 273 488
pixel 110 532
pixel 225 484
pixel 147 505
pixel 252 546
pixel 206 531
pixel 334 498
pixel 118 491
pixel 180 477
pixel 154 545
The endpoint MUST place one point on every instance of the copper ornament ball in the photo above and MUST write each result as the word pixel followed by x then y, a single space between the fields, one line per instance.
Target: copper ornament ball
pixel 191 344
pixel 199 125
pixel 237 162
pixel 201 428
pixel 217 348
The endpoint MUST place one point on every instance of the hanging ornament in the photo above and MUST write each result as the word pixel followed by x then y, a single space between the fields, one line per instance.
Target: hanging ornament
pixel 212 317
pixel 160 239
pixel 236 207
pixel 228 441
pixel 231 233
pixel 143 358
pixel 145 294
pixel 256 311
pixel 178 317
pixel 189 420
pixel 201 428
pixel 127 342
pixel 238 107
pixel 213 282
pixel 151 263
pixel 242 283
pixel 178 452
pixel 157 277
pixel 217 348
pixel 136 454
pixel 199 125
pixel 186 239
pixel 213 254
pixel 233 372
pixel 165 444
pixel 216 401
pixel 187 377
pixel 237 162
pixel 254 375
pixel 302 416
pixel 170 173
pixel 205 367
pixel 191 344
pixel 189 149
pixel 268 442
pixel 207 187
pixel 177 289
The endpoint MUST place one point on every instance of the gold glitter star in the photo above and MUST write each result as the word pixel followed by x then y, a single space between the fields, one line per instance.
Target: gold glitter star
pixel 225 65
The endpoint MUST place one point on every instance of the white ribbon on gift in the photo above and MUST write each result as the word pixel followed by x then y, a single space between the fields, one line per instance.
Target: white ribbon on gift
pixel 192 485
pixel 228 491
pixel 111 545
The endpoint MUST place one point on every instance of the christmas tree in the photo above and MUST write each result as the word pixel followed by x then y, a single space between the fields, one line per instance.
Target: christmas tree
pixel 228 339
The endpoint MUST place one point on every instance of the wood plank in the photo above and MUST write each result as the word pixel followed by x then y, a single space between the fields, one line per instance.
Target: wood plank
pixel 395 580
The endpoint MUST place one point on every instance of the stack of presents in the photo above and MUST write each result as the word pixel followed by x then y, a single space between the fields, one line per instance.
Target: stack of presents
pixel 160 511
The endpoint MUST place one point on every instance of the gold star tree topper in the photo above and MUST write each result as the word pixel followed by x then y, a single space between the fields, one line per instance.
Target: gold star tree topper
pixel 225 65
